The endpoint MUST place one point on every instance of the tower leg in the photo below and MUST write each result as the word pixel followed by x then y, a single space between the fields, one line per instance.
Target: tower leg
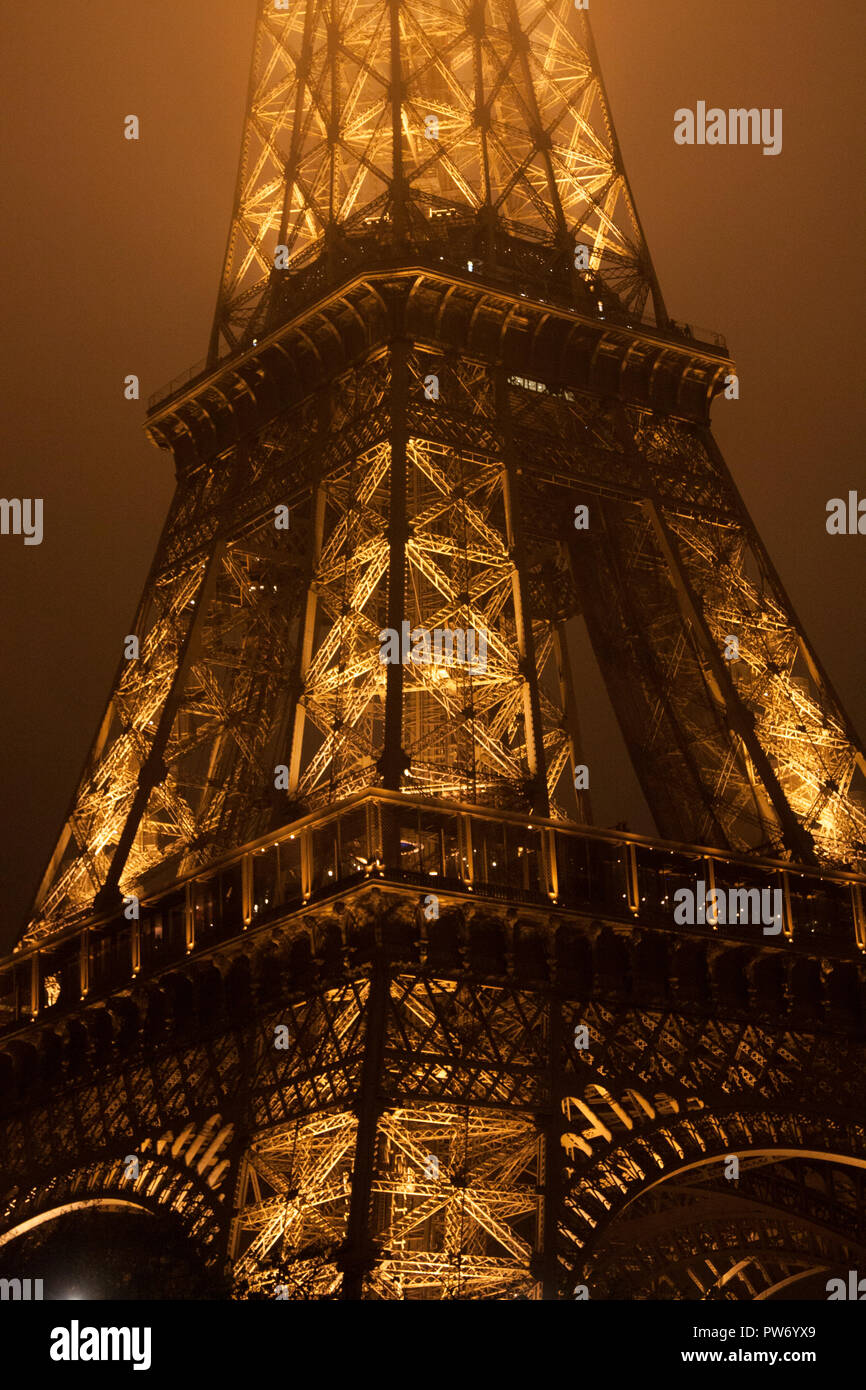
pixel 358 1253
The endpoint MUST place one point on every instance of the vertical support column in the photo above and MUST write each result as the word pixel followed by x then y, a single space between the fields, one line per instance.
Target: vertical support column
pixel 551 868
pixel 632 882
pixel 235 1223
pixel 239 1111
pixel 536 123
pixel 84 962
pixel 857 896
pixel 393 761
pixel 307 632
pixel 135 946
pixel 599 568
pixel 522 612
pixel 710 871
pixel 35 980
pixel 551 1152
pixel 247 889
pixel 466 849
pixel 770 799
pixel 306 863
pixel 823 685
pixel 398 191
pixel 481 117
pixel 153 770
pixel 359 1253
pixel 189 918
pixel 371 822
pixel 788 911
pixel 660 311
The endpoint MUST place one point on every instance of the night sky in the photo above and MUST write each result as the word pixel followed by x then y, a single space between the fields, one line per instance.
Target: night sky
pixel 113 251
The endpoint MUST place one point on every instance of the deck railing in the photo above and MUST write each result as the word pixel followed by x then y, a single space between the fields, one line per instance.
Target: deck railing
pixel 437 849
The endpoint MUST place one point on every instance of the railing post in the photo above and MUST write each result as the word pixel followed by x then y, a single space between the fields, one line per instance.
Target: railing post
pixel 35 973
pixel 468 870
pixel 787 910
pixel 859 915
pixel 551 871
pixel 710 871
pixel 135 945
pixel 306 863
pixel 631 878
pixel 189 919
pixel 247 889
pixel 359 1251
pixel 374 833
pixel 84 962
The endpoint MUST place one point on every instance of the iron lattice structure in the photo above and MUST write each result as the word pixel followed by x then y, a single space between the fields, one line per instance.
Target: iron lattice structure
pixel 438 336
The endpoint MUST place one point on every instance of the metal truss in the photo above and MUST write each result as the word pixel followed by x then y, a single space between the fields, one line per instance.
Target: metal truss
pixel 426 385
pixel 381 1131
pixel 371 121
pixel 179 1173
pixel 453 1187
pixel 263 648
pixel 428 434
pixel 199 715
pixel 443 561
pixel 755 752
pixel 783 1221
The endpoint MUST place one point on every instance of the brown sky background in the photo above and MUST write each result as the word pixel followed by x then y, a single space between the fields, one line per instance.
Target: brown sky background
pixel 112 253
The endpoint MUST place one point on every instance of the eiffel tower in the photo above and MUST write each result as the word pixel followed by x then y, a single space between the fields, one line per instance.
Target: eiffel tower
pixel 330 967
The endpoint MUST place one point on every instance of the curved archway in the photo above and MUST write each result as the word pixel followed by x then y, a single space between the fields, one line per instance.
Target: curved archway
pixel 774 1224
pixel 164 1194
pixel 54 1213
pixel 103 1248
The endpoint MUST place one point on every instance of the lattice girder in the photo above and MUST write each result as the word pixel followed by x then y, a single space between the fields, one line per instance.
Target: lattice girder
pixel 379 121
pixel 285 664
